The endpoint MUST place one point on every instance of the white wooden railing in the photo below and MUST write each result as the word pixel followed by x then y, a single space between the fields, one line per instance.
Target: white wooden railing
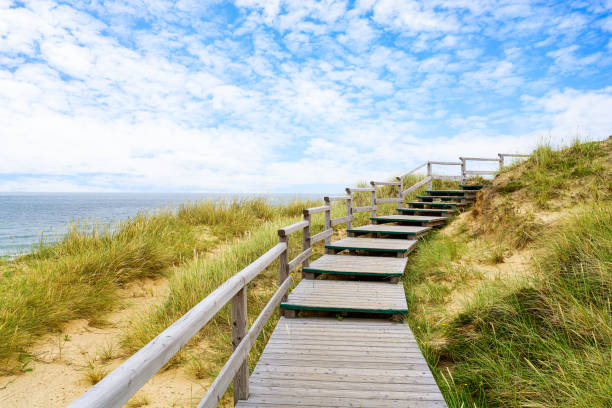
pixel 121 384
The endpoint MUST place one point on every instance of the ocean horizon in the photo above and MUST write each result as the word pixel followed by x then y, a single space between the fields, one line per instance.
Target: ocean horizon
pixel 27 219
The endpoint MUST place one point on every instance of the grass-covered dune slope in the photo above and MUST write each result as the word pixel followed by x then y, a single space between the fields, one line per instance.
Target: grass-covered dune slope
pixel 79 276
pixel 512 301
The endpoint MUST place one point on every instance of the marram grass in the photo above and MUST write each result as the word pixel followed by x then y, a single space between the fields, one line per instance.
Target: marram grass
pixel 78 276
pixel 542 338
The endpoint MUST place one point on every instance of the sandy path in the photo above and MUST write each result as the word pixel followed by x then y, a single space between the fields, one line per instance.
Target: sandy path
pixel 61 362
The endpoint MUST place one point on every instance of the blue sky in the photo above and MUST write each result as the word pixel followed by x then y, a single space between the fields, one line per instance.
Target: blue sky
pixel 256 96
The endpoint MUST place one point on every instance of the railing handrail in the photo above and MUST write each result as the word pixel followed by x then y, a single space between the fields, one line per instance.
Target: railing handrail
pixel 121 384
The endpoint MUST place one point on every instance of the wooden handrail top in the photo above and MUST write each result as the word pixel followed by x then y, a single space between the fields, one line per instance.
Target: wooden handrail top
pixel 285 231
pixel 122 383
pixel 512 155
pixel 316 210
pixel 386 183
pixel 443 163
pixel 338 198
pixel 389 200
pixel 360 189
pixel 480 172
pixel 415 169
pixel 478 159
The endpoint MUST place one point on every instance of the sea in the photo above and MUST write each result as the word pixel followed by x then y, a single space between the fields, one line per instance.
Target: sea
pixel 28 218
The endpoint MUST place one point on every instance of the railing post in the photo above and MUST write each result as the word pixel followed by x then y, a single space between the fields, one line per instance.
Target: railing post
pixel 283 261
pixel 239 330
pixel 373 200
pixel 349 209
pixel 399 192
pixel 501 160
pixel 328 225
pixel 429 174
pixel 306 238
pixel 462 170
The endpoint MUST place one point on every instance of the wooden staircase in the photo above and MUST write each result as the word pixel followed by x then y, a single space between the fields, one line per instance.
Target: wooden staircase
pixel 363 359
pixel 351 354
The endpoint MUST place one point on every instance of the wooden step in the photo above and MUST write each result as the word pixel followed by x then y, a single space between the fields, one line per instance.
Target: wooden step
pixel 429 211
pixel 398 246
pixel 471 186
pixel 423 220
pixel 442 198
pixel 358 265
pixel 458 193
pixel 435 204
pixel 408 231
pixel 325 362
pixel 347 296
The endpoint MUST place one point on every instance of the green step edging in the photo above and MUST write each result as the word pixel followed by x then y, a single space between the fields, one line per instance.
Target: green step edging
pixel 366 249
pixel 393 220
pixel 384 232
pixel 289 306
pixel 449 191
pixel 449 197
pixel 471 186
pixel 321 271
pixel 427 210
pixel 430 203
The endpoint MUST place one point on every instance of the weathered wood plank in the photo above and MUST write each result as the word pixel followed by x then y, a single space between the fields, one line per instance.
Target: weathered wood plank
pixel 373 244
pixel 358 265
pixel 321 236
pixel 407 230
pixel 344 373
pixel 351 296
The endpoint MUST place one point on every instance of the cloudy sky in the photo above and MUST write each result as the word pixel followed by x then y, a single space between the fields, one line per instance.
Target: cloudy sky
pixel 255 96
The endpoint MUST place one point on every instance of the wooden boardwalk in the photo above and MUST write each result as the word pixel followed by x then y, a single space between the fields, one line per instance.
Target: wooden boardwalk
pixel 353 361
pixel 324 362
pixel 340 341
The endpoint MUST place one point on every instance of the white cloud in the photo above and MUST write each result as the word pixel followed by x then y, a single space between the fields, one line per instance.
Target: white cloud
pixel 286 95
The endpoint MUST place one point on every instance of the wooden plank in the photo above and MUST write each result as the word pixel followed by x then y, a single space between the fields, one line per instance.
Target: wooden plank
pixel 321 236
pixel 445 163
pixel 345 371
pixel 480 159
pixel 349 296
pixel 374 244
pixel 355 210
pixel 360 189
pixel 435 204
pixel 316 210
pixel 389 200
pixel 339 198
pixel 299 259
pixel 341 220
pixel 411 219
pixel 415 186
pixel 415 169
pixel 427 210
pixel 481 172
pixel 408 230
pixel 285 231
pixel 122 383
pixel 358 265
pixel 386 183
